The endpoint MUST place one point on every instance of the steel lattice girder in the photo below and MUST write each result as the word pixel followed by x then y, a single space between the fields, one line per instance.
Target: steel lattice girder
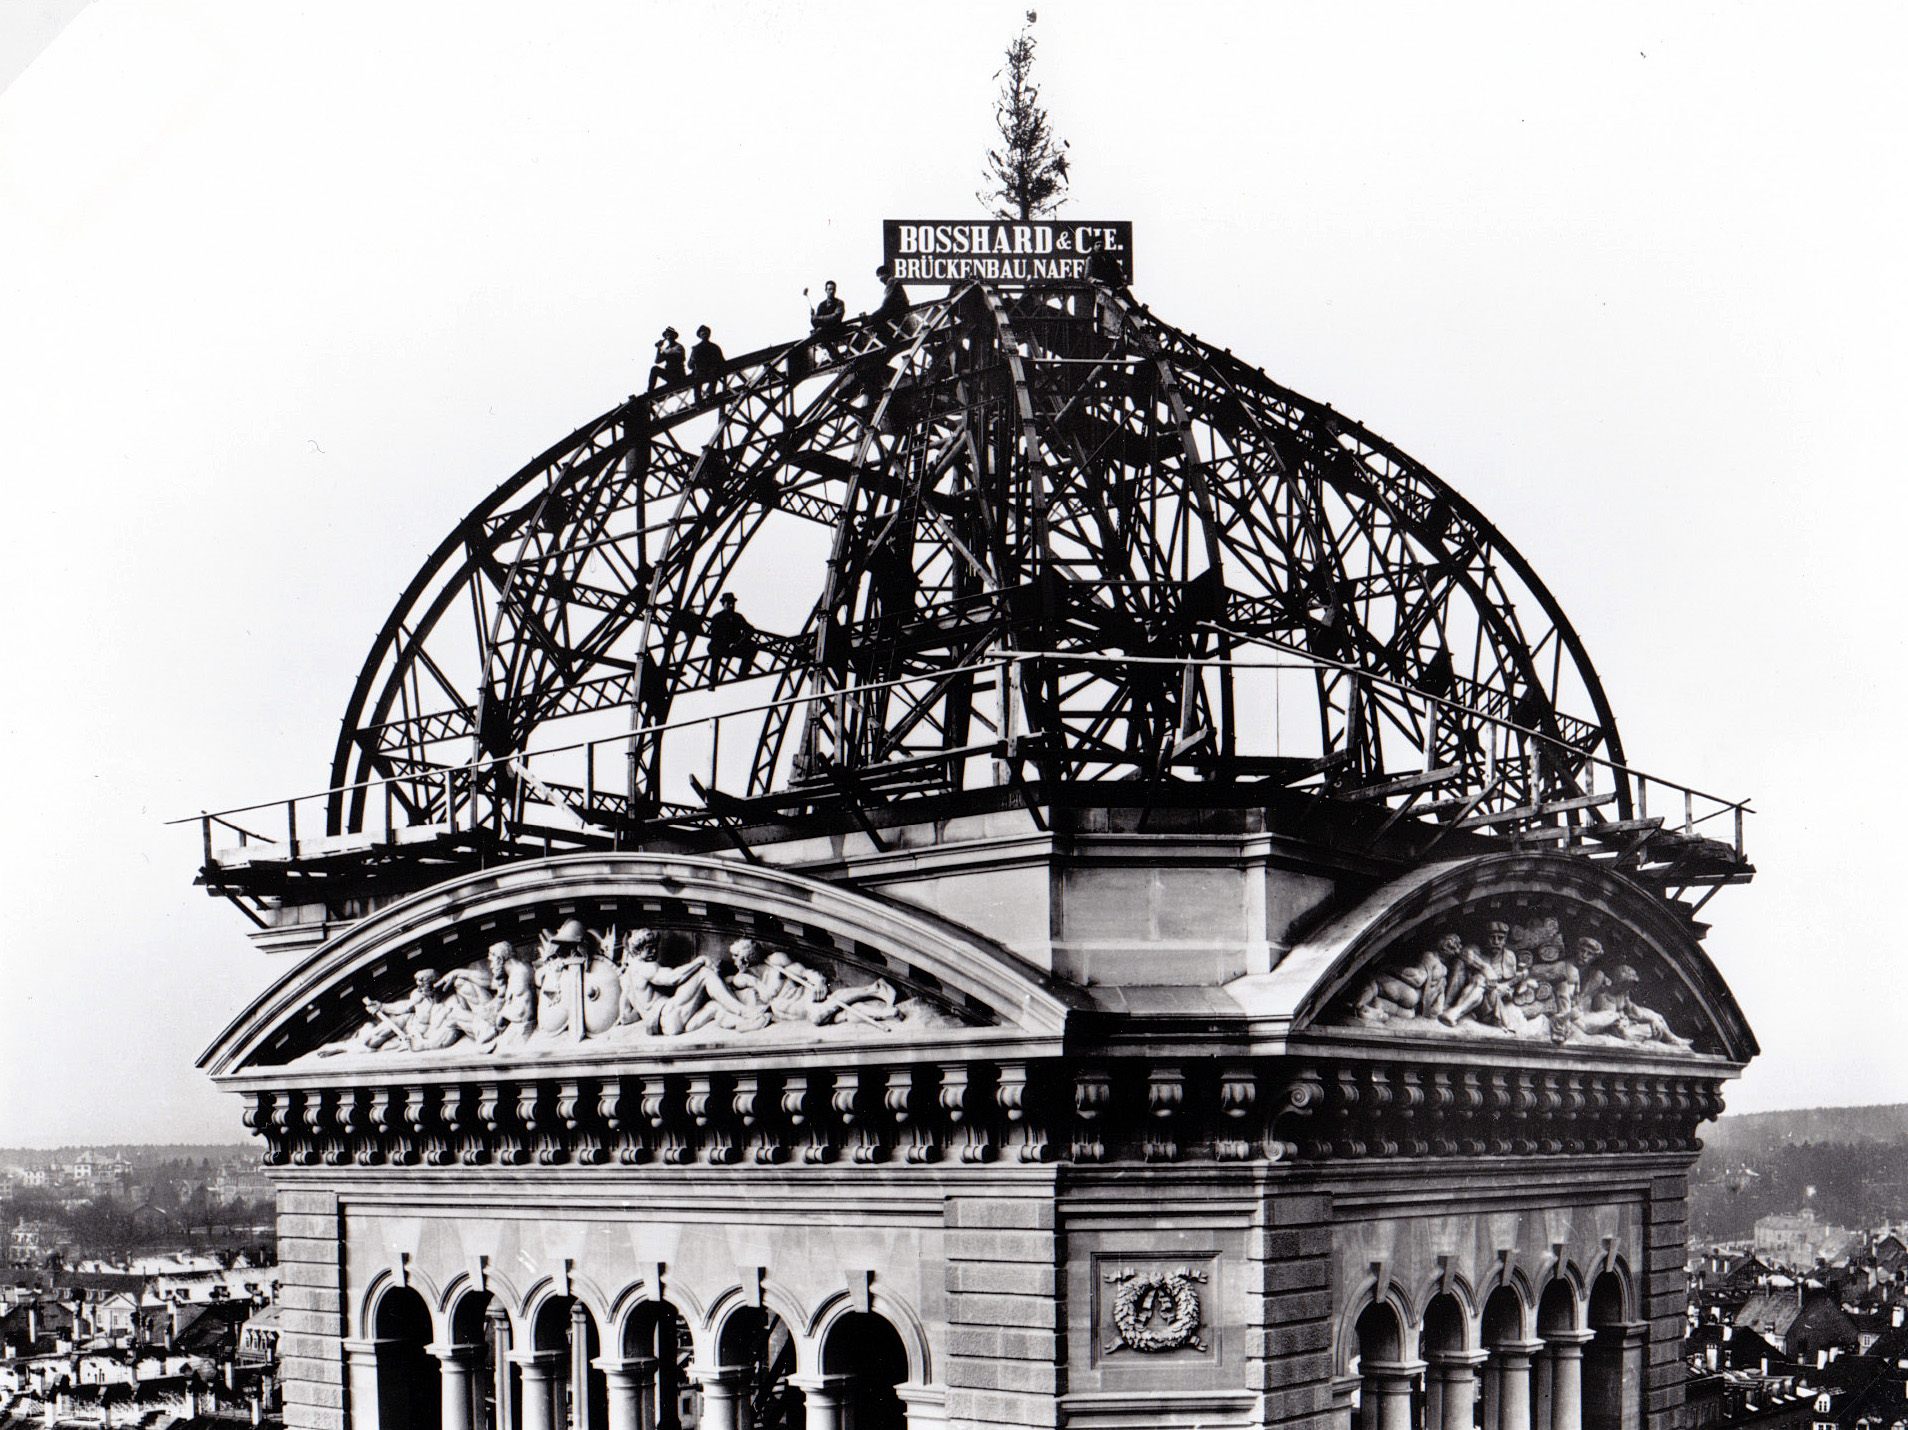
pixel 1047 472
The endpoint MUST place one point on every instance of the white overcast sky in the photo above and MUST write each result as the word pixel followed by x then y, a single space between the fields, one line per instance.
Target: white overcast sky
pixel 287 289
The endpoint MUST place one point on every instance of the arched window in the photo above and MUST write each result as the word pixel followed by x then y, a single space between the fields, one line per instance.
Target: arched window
pixel 1386 1380
pixel 408 1382
pixel 656 1355
pixel 469 1366
pixel 1560 1370
pixel 1612 1362
pixel 1450 1383
pixel 1507 1378
pixel 863 1360
pixel 755 1355
pixel 562 1387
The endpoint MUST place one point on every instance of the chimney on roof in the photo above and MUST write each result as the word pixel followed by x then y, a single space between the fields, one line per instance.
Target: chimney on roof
pixel 1896 1319
pixel 1728 1330
pixel 1821 1358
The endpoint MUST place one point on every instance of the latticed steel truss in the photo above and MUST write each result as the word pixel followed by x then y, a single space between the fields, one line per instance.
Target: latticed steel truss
pixel 1055 542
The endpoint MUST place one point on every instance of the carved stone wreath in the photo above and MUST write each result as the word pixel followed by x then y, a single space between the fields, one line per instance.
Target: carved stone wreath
pixel 1142 1302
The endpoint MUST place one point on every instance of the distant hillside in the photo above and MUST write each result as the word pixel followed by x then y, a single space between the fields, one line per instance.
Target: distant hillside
pixel 1848 1164
pixel 1759 1131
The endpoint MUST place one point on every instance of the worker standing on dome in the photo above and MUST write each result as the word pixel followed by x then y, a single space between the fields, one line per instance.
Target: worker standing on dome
pixel 892 315
pixel 706 362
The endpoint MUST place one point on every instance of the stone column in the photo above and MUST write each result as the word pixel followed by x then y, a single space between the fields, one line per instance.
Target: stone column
pixel 1510 1360
pixel 1566 1378
pixel 721 1401
pixel 453 1365
pixel 1388 1393
pixel 823 1398
pixel 1455 1373
pixel 497 1328
pixel 580 1323
pixel 632 1391
pixel 361 1379
pixel 539 1371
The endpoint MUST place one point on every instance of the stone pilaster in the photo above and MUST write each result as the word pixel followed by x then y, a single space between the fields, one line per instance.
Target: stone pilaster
pixel 1289 1349
pixel 1006 1312
pixel 311 1363
pixel 1665 1301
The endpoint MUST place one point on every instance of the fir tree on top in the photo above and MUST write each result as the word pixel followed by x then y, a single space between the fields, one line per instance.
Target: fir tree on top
pixel 1028 173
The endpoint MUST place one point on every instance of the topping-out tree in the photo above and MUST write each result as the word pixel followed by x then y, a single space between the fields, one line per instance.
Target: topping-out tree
pixel 1027 175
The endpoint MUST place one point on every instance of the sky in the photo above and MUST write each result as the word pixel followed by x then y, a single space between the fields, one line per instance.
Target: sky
pixel 287 289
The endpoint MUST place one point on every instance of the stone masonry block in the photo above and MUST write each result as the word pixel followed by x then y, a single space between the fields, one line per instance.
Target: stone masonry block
pixel 311 1298
pixel 307 1250
pixel 304 1392
pixel 1307 1275
pixel 1667 1258
pixel 1300 1210
pixel 1000 1213
pixel 994 1407
pixel 1004 1342
pixel 313 1417
pixel 1027 1377
pixel 1036 1246
pixel 305 1369
pixel 1296 1306
pixel 299 1203
pixel 1287 1371
pixel 304 1346
pixel 313 1323
pixel 1668 1213
pixel 1292 1243
pixel 1279 1342
pixel 1290 1403
pixel 974 1374
pixel 308 1274
pixel 318 1228
pixel 1016 1279
pixel 969 1309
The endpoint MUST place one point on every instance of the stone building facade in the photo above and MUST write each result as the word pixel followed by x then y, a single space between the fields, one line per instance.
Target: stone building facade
pixel 1084 1125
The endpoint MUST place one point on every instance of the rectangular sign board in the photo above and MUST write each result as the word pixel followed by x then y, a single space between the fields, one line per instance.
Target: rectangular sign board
pixel 1002 251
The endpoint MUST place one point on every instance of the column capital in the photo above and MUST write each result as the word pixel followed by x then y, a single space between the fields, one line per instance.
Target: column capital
pixel 444 1351
pixel 827 1384
pixel 629 1364
pixel 1457 1360
pixel 1391 1369
pixel 1516 1350
pixel 535 1360
pixel 1573 1340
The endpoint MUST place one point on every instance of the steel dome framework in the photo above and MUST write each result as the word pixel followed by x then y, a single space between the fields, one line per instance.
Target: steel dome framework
pixel 1067 545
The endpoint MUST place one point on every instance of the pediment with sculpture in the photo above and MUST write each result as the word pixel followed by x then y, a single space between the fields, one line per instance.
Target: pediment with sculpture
pixel 1550 976
pixel 635 955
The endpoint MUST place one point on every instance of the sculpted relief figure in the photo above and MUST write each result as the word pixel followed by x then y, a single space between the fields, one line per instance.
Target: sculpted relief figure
pixel 1527 982
pixel 795 993
pixel 429 1017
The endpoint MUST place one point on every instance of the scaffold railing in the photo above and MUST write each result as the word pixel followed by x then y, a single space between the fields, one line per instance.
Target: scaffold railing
pixel 575 796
